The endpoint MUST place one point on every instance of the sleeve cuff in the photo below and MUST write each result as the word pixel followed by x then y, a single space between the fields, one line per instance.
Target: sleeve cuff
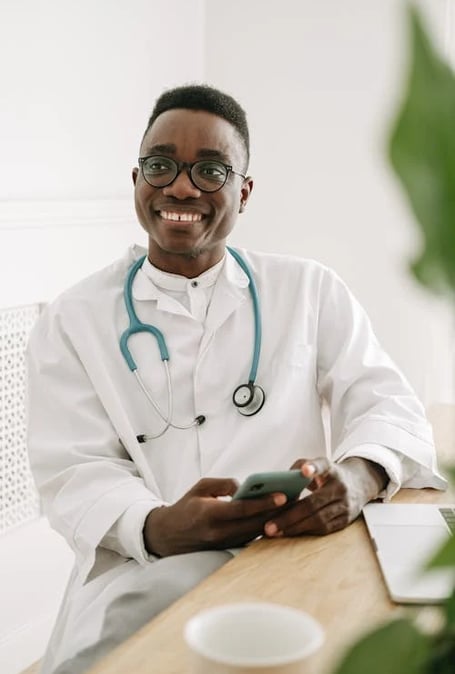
pixel 389 459
pixel 126 534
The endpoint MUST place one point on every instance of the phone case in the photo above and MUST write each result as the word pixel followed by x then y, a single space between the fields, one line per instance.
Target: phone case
pixel 289 482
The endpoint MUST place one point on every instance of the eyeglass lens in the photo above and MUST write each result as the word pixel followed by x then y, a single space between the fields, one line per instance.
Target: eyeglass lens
pixel 207 175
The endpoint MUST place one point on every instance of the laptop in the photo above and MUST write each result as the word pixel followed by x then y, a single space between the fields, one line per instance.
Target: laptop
pixel 405 537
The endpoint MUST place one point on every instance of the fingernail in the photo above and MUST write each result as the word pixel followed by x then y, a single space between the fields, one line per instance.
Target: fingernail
pixel 271 529
pixel 279 499
pixel 309 469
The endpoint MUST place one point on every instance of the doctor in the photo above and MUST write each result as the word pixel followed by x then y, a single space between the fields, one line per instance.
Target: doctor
pixel 162 380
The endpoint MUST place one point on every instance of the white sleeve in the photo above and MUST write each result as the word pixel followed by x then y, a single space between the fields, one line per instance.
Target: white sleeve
pixel 126 534
pixel 86 479
pixel 371 403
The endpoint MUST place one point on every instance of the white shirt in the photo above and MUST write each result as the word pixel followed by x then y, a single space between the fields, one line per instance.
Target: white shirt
pixel 194 294
pixel 97 482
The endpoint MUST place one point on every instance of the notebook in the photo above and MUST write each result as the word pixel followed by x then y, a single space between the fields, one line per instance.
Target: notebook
pixel 404 537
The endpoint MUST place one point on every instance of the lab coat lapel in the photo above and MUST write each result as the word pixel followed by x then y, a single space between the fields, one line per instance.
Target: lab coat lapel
pixel 230 291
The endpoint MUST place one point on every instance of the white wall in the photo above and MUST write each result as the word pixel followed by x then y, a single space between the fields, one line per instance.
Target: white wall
pixel 78 79
pixel 319 81
pixel 78 82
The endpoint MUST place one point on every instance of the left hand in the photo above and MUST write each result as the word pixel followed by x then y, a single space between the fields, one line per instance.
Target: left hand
pixel 339 492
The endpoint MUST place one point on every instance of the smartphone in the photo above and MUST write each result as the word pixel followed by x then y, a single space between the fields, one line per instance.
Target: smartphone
pixel 289 482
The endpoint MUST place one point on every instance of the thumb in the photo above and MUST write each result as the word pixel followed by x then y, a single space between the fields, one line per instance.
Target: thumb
pixel 320 469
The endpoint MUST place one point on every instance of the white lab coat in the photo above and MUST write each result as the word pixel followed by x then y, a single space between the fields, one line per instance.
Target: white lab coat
pixel 98 483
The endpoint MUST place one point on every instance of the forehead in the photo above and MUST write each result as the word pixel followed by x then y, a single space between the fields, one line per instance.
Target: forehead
pixel 191 131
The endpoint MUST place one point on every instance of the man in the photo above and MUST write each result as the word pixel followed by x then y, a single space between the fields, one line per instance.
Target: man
pixel 135 459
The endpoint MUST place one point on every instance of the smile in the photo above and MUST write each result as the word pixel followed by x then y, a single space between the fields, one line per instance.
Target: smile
pixel 181 217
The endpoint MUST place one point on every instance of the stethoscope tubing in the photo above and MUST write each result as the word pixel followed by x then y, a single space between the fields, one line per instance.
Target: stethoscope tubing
pixel 137 326
pixel 256 312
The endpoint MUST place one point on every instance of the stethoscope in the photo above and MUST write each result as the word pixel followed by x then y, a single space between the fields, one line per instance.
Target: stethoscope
pixel 248 398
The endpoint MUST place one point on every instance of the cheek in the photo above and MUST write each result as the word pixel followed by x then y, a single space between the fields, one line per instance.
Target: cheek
pixel 230 208
pixel 142 196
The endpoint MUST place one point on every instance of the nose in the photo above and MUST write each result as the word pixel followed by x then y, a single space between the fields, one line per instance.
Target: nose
pixel 182 187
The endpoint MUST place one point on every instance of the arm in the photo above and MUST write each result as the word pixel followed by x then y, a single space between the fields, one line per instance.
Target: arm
pixel 374 413
pixel 86 479
pixel 379 435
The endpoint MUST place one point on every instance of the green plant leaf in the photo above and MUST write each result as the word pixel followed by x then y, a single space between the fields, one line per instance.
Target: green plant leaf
pixel 395 648
pixel 449 609
pixel 445 556
pixel 441 658
pixel 422 152
pixel 450 472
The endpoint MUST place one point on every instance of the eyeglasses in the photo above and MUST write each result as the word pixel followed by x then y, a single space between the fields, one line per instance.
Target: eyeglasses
pixel 206 174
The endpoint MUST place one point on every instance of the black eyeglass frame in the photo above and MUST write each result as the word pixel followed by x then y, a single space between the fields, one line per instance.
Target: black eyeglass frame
pixel 180 165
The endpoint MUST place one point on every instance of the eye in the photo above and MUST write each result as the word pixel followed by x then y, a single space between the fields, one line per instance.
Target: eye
pixel 213 171
pixel 158 165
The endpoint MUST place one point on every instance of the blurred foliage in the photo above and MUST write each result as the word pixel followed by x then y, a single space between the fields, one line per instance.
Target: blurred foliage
pixel 373 654
pixel 422 153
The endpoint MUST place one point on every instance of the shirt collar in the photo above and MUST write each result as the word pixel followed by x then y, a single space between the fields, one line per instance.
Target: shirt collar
pixel 168 281
pixel 150 281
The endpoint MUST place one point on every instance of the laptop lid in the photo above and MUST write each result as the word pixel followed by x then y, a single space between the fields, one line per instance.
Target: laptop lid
pixel 405 537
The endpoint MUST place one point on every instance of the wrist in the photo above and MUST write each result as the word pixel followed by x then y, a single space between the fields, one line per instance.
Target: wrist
pixel 372 475
pixel 379 476
pixel 152 531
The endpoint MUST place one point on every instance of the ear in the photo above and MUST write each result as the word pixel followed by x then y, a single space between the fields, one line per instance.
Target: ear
pixel 245 192
pixel 134 174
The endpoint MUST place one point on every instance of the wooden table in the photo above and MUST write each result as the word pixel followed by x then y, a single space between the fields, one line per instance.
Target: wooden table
pixel 334 578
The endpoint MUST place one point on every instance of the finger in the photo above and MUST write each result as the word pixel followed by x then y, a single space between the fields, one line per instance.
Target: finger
pixel 318 468
pixel 229 532
pixel 328 518
pixel 331 518
pixel 247 508
pixel 214 486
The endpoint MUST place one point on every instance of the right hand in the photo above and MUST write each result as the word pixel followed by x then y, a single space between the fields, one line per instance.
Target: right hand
pixel 201 521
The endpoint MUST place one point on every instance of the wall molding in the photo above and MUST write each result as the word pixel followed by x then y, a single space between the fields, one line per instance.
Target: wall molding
pixel 15 215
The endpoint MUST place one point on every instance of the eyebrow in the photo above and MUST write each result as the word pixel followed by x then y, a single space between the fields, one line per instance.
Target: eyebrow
pixel 203 152
pixel 215 154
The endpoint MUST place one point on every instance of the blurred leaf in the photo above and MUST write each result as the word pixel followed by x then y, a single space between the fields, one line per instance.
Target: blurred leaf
pixel 450 611
pixel 422 152
pixel 449 471
pixel 441 658
pixel 445 556
pixel 395 648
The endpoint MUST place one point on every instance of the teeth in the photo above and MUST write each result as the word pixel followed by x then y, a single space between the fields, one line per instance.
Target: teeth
pixel 181 217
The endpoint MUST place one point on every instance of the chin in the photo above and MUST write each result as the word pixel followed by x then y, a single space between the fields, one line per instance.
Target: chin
pixel 185 250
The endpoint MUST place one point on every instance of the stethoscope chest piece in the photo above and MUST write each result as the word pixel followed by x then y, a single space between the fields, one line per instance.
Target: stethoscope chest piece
pixel 248 398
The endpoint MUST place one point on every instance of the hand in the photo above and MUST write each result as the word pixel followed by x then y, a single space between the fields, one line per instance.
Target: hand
pixel 339 492
pixel 201 521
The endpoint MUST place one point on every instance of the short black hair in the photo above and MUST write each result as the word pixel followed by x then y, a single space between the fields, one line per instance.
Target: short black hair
pixel 209 99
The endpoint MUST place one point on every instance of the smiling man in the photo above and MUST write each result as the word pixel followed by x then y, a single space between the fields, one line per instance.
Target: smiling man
pixel 160 382
pixel 190 187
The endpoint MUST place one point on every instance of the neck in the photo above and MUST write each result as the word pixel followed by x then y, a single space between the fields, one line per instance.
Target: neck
pixel 188 263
